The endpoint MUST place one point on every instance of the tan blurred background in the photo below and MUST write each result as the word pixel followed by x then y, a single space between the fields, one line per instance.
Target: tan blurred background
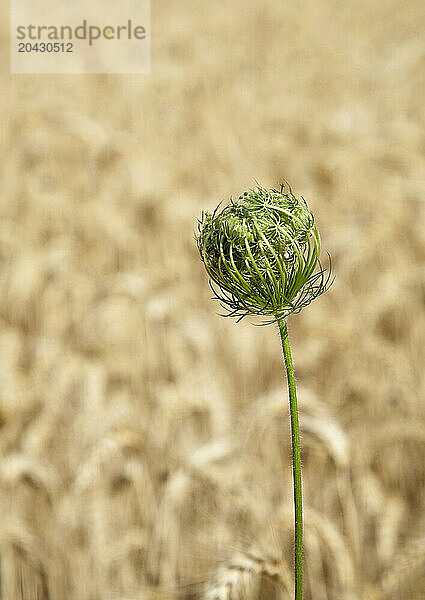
pixel 144 441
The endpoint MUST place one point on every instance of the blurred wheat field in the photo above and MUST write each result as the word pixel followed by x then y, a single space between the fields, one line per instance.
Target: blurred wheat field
pixel 144 441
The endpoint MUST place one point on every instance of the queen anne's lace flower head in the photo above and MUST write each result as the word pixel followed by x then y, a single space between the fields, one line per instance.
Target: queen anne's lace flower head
pixel 262 254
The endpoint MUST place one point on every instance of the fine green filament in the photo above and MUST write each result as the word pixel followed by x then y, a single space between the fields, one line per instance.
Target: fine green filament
pixel 261 253
pixel 296 459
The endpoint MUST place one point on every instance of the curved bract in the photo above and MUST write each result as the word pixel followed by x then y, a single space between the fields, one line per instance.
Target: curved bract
pixel 262 251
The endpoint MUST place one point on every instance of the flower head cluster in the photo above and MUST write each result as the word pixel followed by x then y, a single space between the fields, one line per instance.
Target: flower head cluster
pixel 262 254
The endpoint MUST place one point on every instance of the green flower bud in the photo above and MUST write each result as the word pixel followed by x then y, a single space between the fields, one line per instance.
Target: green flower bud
pixel 262 254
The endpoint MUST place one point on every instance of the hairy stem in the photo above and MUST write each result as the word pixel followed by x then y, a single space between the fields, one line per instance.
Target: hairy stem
pixel 296 459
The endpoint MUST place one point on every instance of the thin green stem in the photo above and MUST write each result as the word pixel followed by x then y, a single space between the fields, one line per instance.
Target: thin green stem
pixel 296 459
